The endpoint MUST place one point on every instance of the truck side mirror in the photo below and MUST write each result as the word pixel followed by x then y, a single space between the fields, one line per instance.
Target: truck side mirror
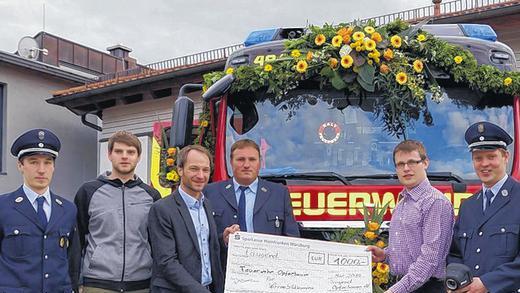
pixel 182 119
pixel 219 88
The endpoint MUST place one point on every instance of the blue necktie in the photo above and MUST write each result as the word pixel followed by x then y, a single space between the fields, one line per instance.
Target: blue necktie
pixel 488 195
pixel 41 213
pixel 242 209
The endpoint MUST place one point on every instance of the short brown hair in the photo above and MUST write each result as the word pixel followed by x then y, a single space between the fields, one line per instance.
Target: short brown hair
pixel 243 143
pixel 182 156
pixel 124 137
pixel 409 146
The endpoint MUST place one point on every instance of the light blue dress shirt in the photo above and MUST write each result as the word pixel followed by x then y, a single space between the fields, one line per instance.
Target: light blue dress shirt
pixel 495 189
pixel 31 196
pixel 250 201
pixel 200 221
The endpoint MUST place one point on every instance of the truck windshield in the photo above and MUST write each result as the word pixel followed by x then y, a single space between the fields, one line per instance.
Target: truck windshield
pixel 323 131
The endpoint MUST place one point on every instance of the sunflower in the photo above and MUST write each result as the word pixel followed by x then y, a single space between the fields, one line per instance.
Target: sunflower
pixel 369 30
pixel 358 36
pixel 333 63
pixel 401 78
pixel 309 56
pixel 170 162
pixel 295 53
pixel 373 226
pixel 508 81
pixel 376 37
pixel 268 68
pixel 421 38
pixel 369 44
pixel 380 244
pixel 370 235
pixel 172 176
pixel 171 151
pixel 396 41
pixel 230 70
pixel 337 41
pixel 382 268
pixel 458 59
pixel 418 66
pixel 319 40
pixel 301 66
pixel 347 61
pixel 204 123
pixel 388 54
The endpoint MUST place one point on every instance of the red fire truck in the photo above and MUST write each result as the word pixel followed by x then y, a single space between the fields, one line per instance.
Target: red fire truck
pixel 331 150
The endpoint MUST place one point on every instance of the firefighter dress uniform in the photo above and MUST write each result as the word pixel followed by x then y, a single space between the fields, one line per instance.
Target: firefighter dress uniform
pixel 35 248
pixel 486 236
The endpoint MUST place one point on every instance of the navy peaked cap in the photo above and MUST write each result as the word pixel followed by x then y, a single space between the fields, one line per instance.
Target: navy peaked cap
pixel 36 141
pixel 487 136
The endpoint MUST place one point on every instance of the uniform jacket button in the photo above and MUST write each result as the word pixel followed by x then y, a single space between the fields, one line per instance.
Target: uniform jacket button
pixel 16 232
pixel 503 230
pixel 480 233
pixel 477 267
pixel 478 250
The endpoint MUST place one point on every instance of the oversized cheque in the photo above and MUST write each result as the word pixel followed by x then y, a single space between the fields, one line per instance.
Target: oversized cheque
pixel 270 264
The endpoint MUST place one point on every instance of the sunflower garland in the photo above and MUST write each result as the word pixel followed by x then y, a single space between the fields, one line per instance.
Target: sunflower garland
pixel 392 60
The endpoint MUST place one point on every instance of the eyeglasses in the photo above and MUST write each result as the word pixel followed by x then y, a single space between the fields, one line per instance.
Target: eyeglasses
pixel 410 163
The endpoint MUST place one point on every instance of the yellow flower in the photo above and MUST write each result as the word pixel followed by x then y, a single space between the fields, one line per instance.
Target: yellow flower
pixel 319 40
pixel 171 151
pixel 301 66
pixel 418 66
pixel 370 45
pixel 360 48
pixel 376 37
pixel 309 56
pixel 380 244
pixel 384 69
pixel 347 61
pixel 172 176
pixel 345 34
pixel 369 29
pixel 204 88
pixel 170 162
pixel 333 63
pixel 421 38
pixel 382 268
pixel 358 36
pixel 388 54
pixel 373 226
pixel 370 62
pixel 337 41
pixel 401 78
pixel 396 41
pixel 205 123
pixel 370 235
pixel 458 59
pixel 267 68
pixel 295 53
pixel 230 70
pixel 508 81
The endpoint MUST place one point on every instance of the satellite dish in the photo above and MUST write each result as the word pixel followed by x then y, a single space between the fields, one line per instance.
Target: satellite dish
pixel 28 48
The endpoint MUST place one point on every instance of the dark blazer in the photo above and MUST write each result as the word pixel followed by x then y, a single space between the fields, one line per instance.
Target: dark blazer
pixel 272 205
pixel 34 259
pixel 175 249
pixel 488 242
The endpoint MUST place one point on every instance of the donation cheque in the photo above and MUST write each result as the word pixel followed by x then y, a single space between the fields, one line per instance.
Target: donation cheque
pixel 271 264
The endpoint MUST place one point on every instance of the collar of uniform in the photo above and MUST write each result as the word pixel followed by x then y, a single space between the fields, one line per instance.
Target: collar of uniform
pixel 418 191
pixel 496 188
pixel 253 186
pixel 190 201
pixel 31 195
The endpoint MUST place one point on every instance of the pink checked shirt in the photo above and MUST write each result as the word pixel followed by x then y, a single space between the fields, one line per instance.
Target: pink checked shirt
pixel 420 235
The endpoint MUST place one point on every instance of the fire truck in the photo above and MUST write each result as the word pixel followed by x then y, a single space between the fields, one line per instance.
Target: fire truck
pixel 331 150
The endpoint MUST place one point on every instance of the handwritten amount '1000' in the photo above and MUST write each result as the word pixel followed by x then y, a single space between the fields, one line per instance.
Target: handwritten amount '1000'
pixel 344 261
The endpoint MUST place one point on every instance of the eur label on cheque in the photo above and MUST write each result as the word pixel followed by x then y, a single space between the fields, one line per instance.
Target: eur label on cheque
pixel 262 263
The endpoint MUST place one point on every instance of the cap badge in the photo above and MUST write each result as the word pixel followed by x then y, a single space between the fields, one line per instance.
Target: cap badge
pixel 18 199
pixel 41 135
pixel 480 128
pixel 504 192
pixel 481 138
pixel 40 145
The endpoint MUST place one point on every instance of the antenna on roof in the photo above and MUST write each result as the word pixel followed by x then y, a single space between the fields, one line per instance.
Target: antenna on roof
pixel 43 15
pixel 28 48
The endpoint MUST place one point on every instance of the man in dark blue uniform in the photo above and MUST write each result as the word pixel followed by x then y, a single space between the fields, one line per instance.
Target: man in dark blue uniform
pixel 486 235
pixel 37 227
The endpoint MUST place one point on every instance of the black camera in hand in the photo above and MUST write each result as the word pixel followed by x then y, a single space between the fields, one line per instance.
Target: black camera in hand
pixel 457 276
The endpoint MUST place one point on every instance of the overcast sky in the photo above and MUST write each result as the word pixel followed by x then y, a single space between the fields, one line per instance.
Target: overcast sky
pixel 162 29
